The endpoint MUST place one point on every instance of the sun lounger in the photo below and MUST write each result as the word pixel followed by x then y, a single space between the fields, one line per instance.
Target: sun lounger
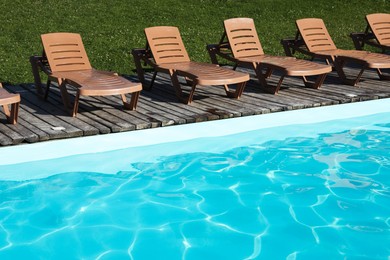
pixel 66 62
pixel 377 33
pixel 7 99
pixel 318 43
pixel 241 45
pixel 166 53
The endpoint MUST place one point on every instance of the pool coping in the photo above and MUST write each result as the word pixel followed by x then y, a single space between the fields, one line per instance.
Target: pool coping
pixel 101 143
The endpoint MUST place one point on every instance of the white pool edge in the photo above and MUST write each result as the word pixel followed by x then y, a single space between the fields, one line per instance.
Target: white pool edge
pixel 114 141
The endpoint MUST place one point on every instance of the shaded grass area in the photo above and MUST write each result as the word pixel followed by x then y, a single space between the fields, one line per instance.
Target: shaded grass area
pixel 110 29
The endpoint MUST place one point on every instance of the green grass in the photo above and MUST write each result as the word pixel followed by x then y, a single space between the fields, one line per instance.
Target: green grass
pixel 110 29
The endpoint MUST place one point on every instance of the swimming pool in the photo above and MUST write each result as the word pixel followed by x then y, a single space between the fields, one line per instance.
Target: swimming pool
pixel 294 185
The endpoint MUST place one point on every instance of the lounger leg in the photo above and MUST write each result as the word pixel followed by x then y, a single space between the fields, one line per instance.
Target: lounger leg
pixel 176 85
pixel 140 72
pixel 6 110
pixel 48 84
pixel 268 73
pixel 339 64
pixel 12 115
pixel 262 79
pixel 133 102
pixel 76 104
pixel 13 119
pixel 240 89
pixel 37 77
pixel 188 81
pixel 236 94
pixel 211 49
pixel 65 96
pixel 151 82
pixel 260 75
pixel 191 96
pixel 229 93
pixel 279 85
pixel 317 84
pixel 382 76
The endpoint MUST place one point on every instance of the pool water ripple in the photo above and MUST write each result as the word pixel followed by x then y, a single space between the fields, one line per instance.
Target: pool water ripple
pixel 296 198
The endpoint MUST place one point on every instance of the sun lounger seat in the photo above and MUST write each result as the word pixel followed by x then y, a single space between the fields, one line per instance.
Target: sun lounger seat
pixel 377 33
pixel 68 64
pixel 319 44
pixel 166 53
pixel 241 45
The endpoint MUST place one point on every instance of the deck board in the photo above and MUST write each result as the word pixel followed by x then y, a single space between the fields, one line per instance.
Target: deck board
pixel 41 120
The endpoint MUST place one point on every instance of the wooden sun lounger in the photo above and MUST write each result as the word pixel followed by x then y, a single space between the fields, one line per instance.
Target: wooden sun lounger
pixel 377 33
pixel 241 45
pixel 166 53
pixel 7 99
pixel 313 39
pixel 65 61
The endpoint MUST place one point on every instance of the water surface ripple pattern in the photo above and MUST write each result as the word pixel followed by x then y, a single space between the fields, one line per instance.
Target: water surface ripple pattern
pixel 321 197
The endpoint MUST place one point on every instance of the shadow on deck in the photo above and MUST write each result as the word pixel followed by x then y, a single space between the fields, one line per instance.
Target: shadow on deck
pixel 41 120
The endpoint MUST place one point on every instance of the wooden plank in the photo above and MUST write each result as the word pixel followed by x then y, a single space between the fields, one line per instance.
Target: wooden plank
pixel 159 107
pixel 31 104
pixel 9 131
pixel 166 94
pixel 54 107
pixel 87 109
pixel 27 131
pixel 127 119
pixel 4 139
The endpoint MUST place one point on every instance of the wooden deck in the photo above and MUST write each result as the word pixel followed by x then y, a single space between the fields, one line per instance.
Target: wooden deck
pixel 41 120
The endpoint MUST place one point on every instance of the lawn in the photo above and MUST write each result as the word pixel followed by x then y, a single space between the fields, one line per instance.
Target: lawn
pixel 110 29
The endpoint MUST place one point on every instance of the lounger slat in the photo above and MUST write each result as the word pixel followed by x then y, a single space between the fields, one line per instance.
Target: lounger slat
pixel 166 44
pixel 380 27
pixel 61 48
pixel 165 41
pixel 243 38
pixel 315 35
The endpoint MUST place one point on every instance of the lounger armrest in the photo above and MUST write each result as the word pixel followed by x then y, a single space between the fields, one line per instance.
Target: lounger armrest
pixel 361 38
pixel 292 45
pixel 142 57
pixel 41 62
pixel 222 49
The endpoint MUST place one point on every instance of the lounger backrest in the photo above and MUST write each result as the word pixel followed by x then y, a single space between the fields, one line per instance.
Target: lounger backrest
pixel 315 35
pixel 243 38
pixel 65 52
pixel 166 44
pixel 380 26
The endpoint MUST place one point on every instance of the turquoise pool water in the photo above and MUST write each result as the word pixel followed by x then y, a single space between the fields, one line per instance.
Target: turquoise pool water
pixel 301 191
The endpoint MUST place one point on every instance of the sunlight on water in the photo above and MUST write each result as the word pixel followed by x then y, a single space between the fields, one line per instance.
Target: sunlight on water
pixel 298 198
